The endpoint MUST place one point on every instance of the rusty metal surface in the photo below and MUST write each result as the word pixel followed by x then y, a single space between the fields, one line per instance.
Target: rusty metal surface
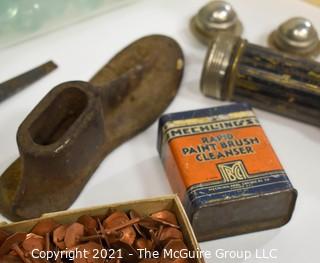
pixel 64 139
pixel 16 84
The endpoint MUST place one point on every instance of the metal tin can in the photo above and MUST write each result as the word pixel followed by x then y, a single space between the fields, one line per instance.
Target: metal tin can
pixel 221 164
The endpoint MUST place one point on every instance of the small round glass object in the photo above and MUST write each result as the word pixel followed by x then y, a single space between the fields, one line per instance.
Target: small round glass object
pixel 8 12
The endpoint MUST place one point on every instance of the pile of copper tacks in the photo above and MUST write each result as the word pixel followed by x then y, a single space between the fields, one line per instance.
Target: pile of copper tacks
pixel 116 237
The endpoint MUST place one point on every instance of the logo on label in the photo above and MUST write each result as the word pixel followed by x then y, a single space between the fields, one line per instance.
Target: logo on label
pixel 233 171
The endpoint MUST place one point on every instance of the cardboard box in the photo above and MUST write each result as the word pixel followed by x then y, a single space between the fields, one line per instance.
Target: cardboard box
pixel 144 207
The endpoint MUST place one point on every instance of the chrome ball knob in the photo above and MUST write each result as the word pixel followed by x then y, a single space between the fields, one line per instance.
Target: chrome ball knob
pixel 296 36
pixel 213 18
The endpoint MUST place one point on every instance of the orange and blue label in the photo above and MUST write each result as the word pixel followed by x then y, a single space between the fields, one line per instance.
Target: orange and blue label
pixel 218 154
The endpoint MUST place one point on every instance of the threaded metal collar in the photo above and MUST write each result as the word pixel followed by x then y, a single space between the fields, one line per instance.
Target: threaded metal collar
pixel 216 65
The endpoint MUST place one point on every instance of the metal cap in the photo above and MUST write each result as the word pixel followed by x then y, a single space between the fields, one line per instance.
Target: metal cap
pixel 296 36
pixel 216 64
pixel 215 17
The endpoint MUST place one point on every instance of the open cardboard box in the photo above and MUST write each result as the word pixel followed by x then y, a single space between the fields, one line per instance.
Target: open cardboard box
pixel 144 207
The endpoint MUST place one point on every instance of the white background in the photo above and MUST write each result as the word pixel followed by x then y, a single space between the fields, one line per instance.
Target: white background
pixel 133 170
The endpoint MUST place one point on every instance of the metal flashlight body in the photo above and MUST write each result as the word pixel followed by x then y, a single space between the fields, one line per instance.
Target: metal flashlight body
pixel 235 69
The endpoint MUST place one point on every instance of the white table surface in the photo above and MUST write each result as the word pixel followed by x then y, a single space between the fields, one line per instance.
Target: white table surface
pixel 133 170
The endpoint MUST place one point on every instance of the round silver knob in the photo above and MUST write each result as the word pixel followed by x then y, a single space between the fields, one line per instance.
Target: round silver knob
pixel 213 18
pixel 296 36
